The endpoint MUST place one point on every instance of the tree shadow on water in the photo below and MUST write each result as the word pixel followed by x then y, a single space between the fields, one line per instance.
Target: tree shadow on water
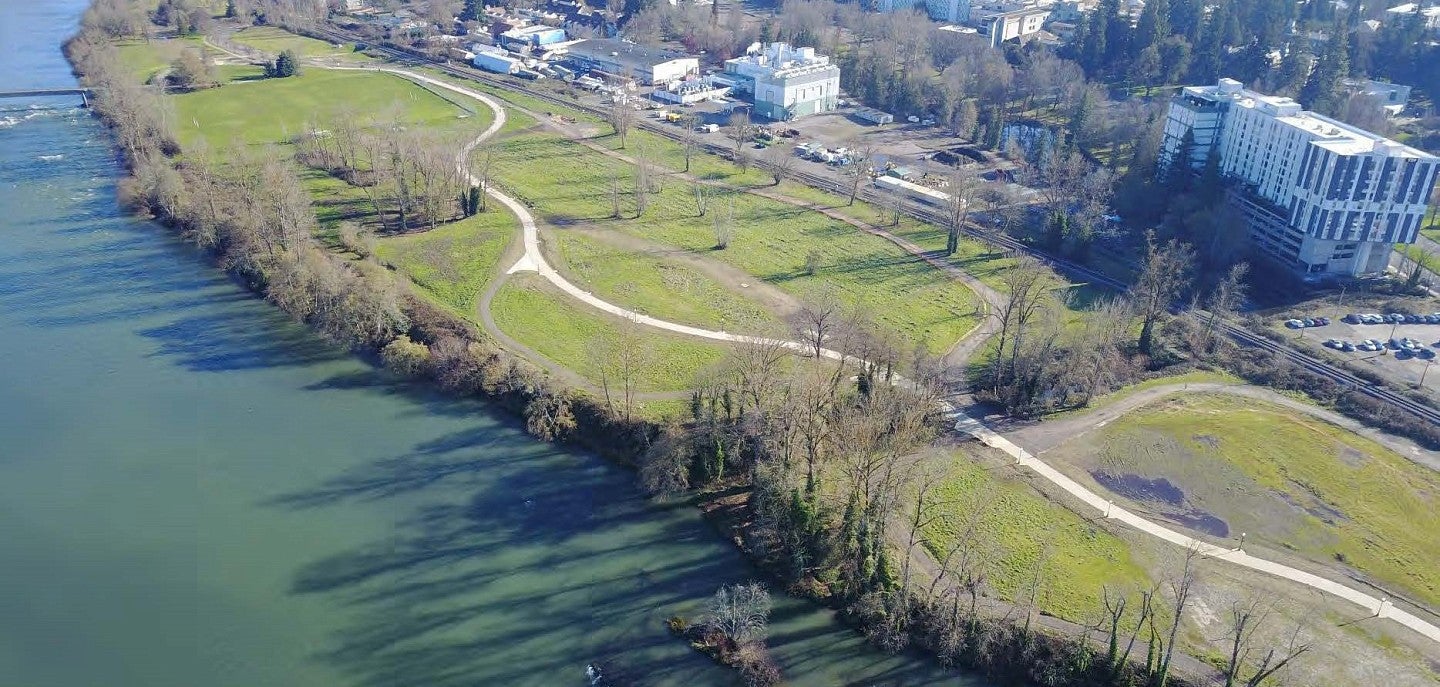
pixel 513 563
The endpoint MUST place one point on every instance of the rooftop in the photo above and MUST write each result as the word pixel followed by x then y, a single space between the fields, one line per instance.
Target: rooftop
pixel 1325 132
pixel 779 60
pixel 630 55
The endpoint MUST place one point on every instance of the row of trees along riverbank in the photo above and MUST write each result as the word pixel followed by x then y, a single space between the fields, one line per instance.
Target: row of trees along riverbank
pixel 828 461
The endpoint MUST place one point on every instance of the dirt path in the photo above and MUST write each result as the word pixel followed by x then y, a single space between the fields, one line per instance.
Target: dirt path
pixel 1043 436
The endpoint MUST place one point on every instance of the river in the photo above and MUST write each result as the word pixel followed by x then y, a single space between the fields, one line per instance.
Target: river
pixel 195 491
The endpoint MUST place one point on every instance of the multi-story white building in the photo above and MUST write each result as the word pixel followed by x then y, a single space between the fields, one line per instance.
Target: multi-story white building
pixel 786 82
pixel 1318 194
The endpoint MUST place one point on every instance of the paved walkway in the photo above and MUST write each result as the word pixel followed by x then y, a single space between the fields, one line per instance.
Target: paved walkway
pixel 534 260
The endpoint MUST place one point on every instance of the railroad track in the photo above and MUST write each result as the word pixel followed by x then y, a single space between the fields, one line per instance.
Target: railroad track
pixel 928 214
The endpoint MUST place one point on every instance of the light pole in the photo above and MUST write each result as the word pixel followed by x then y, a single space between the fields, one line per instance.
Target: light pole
pixel 1424 372
pixel 1241 545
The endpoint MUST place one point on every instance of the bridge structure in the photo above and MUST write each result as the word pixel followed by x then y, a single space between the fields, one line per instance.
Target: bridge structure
pixel 84 93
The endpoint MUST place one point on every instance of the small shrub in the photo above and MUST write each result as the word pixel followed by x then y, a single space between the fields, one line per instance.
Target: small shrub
pixel 405 357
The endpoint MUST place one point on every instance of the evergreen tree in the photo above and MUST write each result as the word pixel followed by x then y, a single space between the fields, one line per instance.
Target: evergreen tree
pixel 285 65
pixel 472 10
pixel 1152 27
pixel 230 10
pixel 1322 92
pixel 1294 68
pixel 1094 56
pixel 1210 53
pixel 1186 19
pixel 1118 36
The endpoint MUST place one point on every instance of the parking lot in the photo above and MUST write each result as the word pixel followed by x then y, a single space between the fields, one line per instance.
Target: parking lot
pixel 1392 359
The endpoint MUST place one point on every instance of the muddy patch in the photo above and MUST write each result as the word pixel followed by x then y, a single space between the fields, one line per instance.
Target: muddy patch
pixel 1208 441
pixel 1170 498
pixel 1352 457
pixel 1133 486
pixel 1319 509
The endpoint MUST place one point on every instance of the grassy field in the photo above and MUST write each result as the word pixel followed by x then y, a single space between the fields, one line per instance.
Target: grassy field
pixel 1019 527
pixel 145 59
pixel 567 185
pixel 530 310
pixel 656 286
pixel 274 110
pixel 454 263
pixel 272 40
pixel 1289 481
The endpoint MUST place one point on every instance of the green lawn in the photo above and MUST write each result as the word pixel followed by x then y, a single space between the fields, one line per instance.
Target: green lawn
pixel 274 110
pixel 1016 530
pixel 454 263
pixel 567 184
pixel 145 58
pixel 656 286
pixel 530 310
pixel 274 41
pixel 1289 481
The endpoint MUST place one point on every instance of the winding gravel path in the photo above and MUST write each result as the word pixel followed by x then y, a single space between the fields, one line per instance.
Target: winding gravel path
pixel 533 260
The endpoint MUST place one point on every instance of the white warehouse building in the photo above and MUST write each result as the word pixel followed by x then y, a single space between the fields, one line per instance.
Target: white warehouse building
pixel 786 82
pixel 1318 194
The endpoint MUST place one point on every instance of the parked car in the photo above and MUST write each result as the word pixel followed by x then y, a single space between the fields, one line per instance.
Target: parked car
pixel 1352 318
pixel 1404 354
pixel 1347 347
pixel 1394 318
pixel 1295 324
pixel 1333 343
pixel 1322 321
pixel 1425 354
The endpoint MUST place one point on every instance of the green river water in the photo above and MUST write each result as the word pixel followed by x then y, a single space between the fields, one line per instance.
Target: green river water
pixel 196 492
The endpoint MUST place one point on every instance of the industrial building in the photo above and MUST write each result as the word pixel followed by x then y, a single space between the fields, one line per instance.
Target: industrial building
pixel 625 60
pixel 493 59
pixel 1317 194
pixel 786 82
pixel 533 37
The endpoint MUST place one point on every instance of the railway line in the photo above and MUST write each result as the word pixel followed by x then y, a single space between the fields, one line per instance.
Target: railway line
pixel 827 183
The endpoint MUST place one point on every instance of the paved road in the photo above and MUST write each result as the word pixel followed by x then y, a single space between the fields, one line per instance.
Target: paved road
pixel 534 260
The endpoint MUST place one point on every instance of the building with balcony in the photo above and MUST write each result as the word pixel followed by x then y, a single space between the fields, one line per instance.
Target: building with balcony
pixel 1317 194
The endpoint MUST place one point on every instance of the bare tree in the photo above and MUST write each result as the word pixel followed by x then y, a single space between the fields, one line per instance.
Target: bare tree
pixel 689 138
pixel 960 193
pixel 1225 299
pixel 818 319
pixel 642 181
pixel 621 117
pixel 1247 617
pixel 741 131
pixel 702 197
pixel 779 161
pixel 615 192
pixel 740 612
pixel 1115 604
pixel 1182 585
pixel 723 223
pixel 1165 276
pixel 859 168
